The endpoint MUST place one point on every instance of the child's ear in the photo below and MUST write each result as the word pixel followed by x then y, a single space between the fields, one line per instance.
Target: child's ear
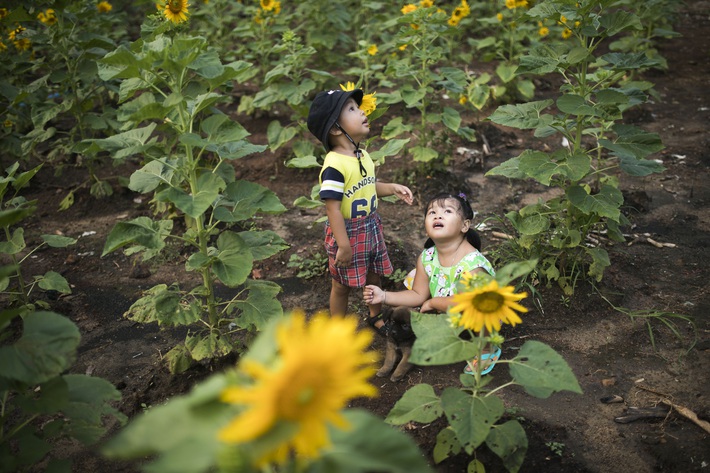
pixel 465 226
pixel 335 131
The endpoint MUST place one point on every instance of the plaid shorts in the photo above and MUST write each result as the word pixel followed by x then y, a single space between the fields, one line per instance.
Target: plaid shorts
pixel 369 251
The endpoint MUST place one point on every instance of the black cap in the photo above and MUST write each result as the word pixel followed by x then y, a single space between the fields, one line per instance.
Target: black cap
pixel 325 111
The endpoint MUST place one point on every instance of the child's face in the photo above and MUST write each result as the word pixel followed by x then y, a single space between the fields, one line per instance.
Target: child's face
pixel 354 121
pixel 444 219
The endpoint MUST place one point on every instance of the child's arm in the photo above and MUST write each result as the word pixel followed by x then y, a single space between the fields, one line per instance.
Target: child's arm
pixel 388 188
pixel 442 304
pixel 410 298
pixel 336 220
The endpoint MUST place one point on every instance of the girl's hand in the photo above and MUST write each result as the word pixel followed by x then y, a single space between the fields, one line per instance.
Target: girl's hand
pixel 427 307
pixel 373 295
pixel 403 193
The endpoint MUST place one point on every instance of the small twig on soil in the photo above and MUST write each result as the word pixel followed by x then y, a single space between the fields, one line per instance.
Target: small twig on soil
pixel 486 145
pixel 682 410
pixel 505 236
pixel 647 239
pixel 688 414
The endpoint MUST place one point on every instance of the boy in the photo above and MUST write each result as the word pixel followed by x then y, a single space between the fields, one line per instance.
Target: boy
pixel 356 249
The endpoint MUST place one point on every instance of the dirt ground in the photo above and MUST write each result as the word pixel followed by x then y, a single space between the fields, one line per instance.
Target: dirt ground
pixel 610 353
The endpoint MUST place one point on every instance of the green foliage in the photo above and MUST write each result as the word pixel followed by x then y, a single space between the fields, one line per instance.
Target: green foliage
pixel 13 209
pixel 596 148
pixel 475 416
pixel 38 403
pixel 313 266
pixel 169 91
pixel 50 93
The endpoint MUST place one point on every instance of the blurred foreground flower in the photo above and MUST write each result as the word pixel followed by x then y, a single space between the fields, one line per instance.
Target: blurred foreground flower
pixel 369 101
pixel 489 305
pixel 322 366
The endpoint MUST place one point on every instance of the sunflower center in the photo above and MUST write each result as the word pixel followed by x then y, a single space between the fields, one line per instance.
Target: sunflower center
pixel 488 302
pixel 175 6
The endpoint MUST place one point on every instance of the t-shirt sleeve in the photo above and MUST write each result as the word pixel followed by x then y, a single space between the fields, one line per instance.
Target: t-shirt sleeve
pixel 332 184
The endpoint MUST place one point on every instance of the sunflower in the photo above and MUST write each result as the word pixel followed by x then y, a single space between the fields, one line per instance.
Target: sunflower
pixel 489 305
pixel 323 365
pixel 372 49
pixel 566 33
pixel 267 5
pixel 408 8
pixel 104 7
pixel 543 31
pixel 176 10
pixel 48 17
pixel 369 101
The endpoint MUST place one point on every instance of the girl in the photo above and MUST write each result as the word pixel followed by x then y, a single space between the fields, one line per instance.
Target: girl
pixel 452 250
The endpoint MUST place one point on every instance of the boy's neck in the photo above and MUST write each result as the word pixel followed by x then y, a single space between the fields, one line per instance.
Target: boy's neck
pixel 348 150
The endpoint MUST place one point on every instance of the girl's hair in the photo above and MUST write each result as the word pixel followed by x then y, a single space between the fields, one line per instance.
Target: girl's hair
pixel 466 211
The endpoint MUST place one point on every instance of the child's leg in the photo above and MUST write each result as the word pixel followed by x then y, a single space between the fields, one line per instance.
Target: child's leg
pixel 338 298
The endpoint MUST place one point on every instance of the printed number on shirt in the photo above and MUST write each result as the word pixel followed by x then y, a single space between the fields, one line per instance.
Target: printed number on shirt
pixel 359 207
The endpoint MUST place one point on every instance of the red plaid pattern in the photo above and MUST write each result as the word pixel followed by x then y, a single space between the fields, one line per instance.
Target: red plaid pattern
pixel 369 251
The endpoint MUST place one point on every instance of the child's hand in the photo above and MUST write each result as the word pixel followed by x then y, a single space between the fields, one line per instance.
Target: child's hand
pixel 343 257
pixel 403 193
pixel 373 295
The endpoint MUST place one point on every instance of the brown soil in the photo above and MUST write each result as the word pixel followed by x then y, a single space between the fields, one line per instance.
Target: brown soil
pixel 610 353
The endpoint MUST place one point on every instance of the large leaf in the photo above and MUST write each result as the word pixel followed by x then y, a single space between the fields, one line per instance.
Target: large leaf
pixel 632 142
pixel 369 445
pixel 208 345
pixel 419 404
pixel 606 203
pixel 542 167
pixel 89 401
pixel 128 143
pixel 246 199
pixel 523 116
pixel 53 281
pixel 510 443
pixel 233 259
pixel 471 417
pixel 437 342
pixel 208 188
pixel 260 307
pixel 46 348
pixel 141 231
pixel 164 305
pixel 509 169
pixel 542 371
pixel 153 174
pixel 263 244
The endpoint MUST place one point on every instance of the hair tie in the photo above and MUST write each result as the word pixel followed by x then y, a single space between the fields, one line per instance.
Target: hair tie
pixel 463 196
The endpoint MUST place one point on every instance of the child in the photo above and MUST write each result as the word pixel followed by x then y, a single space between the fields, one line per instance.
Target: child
pixel 356 249
pixel 452 250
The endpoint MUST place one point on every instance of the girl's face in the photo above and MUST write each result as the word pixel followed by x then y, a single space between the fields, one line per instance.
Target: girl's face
pixel 444 219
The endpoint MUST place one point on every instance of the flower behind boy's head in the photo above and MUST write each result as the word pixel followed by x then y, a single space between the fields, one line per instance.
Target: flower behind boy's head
pixel 369 101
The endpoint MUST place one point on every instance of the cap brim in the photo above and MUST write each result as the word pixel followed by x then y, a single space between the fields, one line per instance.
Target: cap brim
pixel 357 95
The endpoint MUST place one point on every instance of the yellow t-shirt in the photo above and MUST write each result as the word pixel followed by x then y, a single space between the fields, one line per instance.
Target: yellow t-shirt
pixel 340 179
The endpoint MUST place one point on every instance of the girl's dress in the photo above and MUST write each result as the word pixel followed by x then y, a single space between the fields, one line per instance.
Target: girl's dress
pixel 443 279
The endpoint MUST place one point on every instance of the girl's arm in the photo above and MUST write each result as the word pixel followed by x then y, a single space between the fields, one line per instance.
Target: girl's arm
pixel 388 188
pixel 442 304
pixel 337 224
pixel 410 298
